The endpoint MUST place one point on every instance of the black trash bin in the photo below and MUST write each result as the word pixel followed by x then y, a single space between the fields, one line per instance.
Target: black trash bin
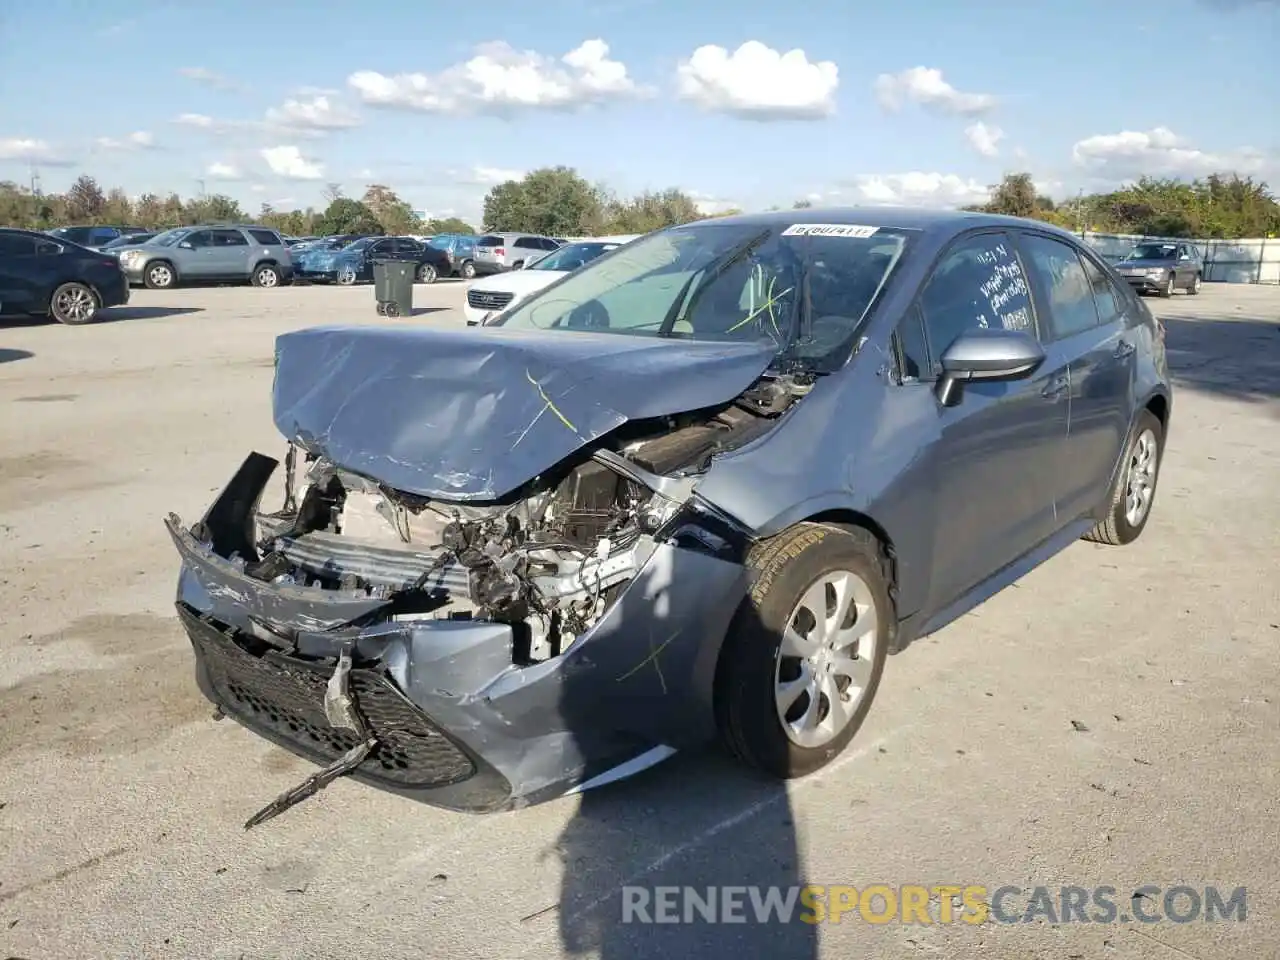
pixel 393 287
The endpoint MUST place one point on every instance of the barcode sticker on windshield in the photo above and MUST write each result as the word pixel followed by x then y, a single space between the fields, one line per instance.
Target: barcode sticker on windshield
pixel 852 230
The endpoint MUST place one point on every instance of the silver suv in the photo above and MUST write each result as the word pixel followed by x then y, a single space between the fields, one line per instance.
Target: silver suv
pixel 496 252
pixel 222 252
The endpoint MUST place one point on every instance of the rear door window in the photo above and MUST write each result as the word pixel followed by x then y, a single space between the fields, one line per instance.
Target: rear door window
pixel 490 241
pixel 265 237
pixel 228 238
pixel 1064 283
pixel 1106 298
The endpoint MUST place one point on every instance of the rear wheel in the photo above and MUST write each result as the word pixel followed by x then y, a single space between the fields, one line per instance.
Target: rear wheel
pixel 1129 506
pixel 266 276
pixel 427 273
pixel 467 271
pixel 74 304
pixel 159 276
pixel 347 276
pixel 806 650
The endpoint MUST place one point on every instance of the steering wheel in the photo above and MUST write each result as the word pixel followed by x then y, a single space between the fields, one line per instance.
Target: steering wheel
pixel 591 315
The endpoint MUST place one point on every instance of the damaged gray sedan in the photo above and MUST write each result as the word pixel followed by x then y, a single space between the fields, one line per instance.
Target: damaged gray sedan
pixel 701 487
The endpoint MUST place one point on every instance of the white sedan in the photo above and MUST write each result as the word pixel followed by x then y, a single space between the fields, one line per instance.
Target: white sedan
pixel 495 293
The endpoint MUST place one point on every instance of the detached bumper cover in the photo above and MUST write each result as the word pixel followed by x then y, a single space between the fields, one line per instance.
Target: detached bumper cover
pixel 463 727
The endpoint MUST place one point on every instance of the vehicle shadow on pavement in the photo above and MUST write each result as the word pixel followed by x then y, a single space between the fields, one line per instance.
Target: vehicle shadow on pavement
pixel 8 356
pixel 108 315
pixel 698 825
pixel 1238 358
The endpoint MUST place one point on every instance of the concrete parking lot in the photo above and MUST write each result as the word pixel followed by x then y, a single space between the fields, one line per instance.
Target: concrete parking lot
pixel 1113 720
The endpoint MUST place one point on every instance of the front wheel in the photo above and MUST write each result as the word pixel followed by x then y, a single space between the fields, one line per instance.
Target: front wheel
pixel 266 276
pixel 159 276
pixel 1134 492
pixel 1195 285
pixel 806 650
pixel 347 276
pixel 74 304
pixel 426 273
pixel 1167 289
pixel 468 270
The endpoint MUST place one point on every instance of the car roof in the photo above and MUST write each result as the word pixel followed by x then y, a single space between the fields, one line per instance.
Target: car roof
pixel 936 222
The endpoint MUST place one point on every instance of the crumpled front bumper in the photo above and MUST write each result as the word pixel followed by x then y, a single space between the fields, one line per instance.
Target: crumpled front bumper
pixel 459 724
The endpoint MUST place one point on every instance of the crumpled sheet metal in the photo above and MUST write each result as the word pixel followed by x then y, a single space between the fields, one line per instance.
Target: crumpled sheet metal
pixel 471 414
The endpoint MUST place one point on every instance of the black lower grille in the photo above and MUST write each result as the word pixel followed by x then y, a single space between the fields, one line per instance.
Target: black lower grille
pixel 284 698
pixel 488 299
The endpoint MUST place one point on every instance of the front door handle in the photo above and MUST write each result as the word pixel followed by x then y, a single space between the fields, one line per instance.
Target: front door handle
pixel 1124 349
pixel 1056 387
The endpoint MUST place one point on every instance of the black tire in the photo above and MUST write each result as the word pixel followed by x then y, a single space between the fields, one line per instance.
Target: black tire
pixel 381 308
pixel 74 304
pixel 427 273
pixel 346 277
pixel 1167 290
pixel 265 275
pixel 1193 288
pixel 517 265
pixel 159 275
pixel 784 567
pixel 1114 529
pixel 467 271
pixel 391 309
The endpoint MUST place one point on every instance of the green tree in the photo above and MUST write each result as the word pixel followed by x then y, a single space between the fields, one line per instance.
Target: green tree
pixel 85 200
pixel 802 205
pixel 394 215
pixel 650 211
pixel 344 215
pixel 448 225
pixel 554 201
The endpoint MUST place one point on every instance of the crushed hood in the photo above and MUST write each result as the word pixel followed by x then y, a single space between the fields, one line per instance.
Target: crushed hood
pixel 473 413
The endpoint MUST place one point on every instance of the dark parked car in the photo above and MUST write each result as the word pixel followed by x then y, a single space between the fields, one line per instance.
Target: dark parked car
pixel 460 252
pixel 1162 267
pixel 353 262
pixel 94 237
pixel 44 276
pixel 122 243
pixel 705 483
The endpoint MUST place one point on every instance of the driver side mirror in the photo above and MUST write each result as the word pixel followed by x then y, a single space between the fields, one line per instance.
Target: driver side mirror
pixel 986 354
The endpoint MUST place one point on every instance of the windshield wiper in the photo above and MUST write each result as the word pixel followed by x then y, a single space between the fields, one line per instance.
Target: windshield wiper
pixel 716 267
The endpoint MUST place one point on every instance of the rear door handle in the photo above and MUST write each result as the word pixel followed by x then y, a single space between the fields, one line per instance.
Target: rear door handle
pixel 1124 349
pixel 1056 387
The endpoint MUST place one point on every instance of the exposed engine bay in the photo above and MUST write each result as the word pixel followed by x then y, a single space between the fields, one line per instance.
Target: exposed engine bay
pixel 547 560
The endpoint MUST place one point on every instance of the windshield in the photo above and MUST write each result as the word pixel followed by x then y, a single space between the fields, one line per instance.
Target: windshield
pixel 571 257
pixel 805 288
pixel 169 237
pixel 360 244
pixel 1153 251
pixel 130 241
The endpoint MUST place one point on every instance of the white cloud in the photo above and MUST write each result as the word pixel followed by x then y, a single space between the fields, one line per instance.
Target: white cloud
pixel 917 189
pixel 1159 153
pixel 500 79
pixel 209 78
pixel 195 120
pixel 984 138
pixel 318 112
pixel 288 162
pixel 259 188
pixel 925 86
pixel 757 82
pixel 27 150
pixel 223 171
pixel 709 205
pixel 138 140
pixel 484 176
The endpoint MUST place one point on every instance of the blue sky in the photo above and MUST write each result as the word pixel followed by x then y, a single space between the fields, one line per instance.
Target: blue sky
pixel 746 103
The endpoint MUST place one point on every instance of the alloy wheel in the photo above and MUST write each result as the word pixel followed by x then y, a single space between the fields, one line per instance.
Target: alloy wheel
pixel 75 304
pixel 160 275
pixel 825 659
pixel 1140 487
